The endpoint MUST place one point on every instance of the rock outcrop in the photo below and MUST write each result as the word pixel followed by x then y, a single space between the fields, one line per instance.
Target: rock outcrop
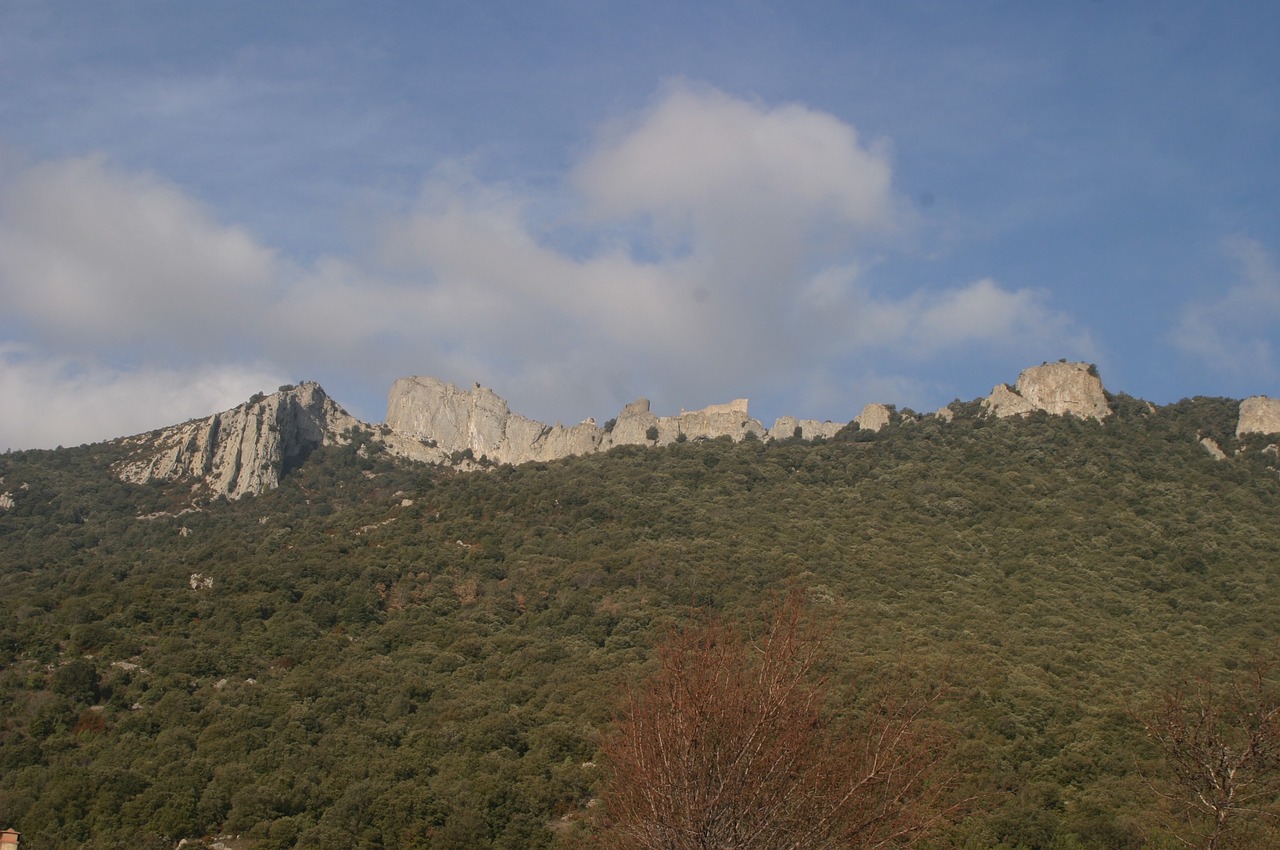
pixel 874 416
pixel 248 448
pixel 1062 389
pixel 1211 446
pixel 1259 415
pixel 806 429
pixel 242 450
pixel 477 420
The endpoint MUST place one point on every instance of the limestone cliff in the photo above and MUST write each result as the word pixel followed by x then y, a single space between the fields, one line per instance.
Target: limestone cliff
pixel 242 450
pixel 1259 415
pixel 807 429
pixel 478 420
pixel 1062 389
pixel 874 417
pixel 248 448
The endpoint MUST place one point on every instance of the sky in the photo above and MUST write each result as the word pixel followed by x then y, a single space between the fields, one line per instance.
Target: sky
pixel 813 205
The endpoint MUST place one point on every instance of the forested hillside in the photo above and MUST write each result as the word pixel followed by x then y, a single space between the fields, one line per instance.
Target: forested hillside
pixel 385 655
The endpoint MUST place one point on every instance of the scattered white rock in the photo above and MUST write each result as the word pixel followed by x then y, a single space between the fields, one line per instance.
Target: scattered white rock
pixel 129 666
pixel 200 581
pixel 1211 446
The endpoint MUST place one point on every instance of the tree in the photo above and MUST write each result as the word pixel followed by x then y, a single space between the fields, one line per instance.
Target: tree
pixel 726 746
pixel 77 681
pixel 1220 743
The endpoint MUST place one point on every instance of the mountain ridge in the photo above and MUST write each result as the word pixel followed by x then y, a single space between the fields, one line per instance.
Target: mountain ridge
pixel 246 450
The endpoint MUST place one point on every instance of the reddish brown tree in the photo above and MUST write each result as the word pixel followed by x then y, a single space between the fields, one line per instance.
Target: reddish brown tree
pixel 1220 743
pixel 726 746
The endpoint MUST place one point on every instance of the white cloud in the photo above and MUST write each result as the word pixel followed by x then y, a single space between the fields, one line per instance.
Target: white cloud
pixel 92 256
pixel 1237 333
pixel 702 159
pixel 718 249
pixel 986 313
pixel 50 401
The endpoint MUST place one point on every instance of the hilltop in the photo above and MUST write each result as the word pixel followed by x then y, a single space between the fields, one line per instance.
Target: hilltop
pixel 247 449
pixel 383 653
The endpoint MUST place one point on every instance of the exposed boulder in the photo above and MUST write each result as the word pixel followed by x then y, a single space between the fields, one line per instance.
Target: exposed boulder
pixel 242 450
pixel 1211 446
pixel 1259 415
pixel 874 417
pixel 1061 389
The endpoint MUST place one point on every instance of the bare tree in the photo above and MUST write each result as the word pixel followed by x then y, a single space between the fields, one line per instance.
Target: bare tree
pixel 726 746
pixel 1220 743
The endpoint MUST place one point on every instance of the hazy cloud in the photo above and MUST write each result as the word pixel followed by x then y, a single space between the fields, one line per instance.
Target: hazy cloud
pixel 1236 334
pixel 710 247
pixel 50 401
pixel 92 256
pixel 714 164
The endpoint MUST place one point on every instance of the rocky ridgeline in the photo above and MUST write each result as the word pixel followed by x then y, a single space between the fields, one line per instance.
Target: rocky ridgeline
pixel 248 448
pixel 242 450
pixel 478 420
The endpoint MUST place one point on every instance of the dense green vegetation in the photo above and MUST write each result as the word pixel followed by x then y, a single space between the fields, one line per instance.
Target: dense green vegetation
pixel 393 656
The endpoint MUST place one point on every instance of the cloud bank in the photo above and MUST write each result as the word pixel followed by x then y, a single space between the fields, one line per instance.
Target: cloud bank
pixel 707 247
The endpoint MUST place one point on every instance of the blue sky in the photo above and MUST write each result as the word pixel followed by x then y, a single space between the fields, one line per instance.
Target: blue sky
pixel 813 205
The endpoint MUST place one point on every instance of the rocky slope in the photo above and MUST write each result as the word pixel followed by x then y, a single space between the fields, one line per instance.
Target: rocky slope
pixel 248 448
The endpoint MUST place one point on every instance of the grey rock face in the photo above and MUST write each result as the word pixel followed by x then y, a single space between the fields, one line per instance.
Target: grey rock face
pixel 242 450
pixel 453 419
pixel 1062 389
pixel 1259 415
pixel 427 409
pixel 874 417
pixel 810 429
pixel 1211 446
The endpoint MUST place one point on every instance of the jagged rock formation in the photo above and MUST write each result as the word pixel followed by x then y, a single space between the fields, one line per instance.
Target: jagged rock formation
pixel 1062 389
pixel 807 429
pixel 242 450
pixel 478 420
pixel 1259 415
pixel 248 448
